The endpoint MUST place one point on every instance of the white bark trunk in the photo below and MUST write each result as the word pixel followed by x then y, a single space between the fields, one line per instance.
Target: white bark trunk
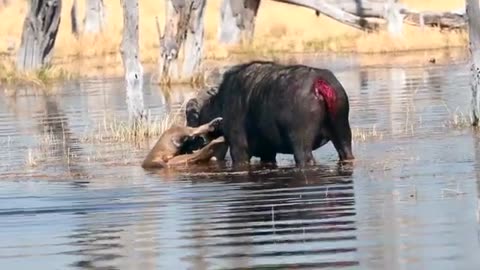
pixel 133 69
pixel 394 18
pixel 473 15
pixel 237 20
pixel 193 47
pixel 40 30
pixel 184 30
pixel 94 16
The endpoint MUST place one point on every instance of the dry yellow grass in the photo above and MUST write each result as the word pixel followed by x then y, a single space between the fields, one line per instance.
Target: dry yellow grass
pixel 40 78
pixel 114 130
pixel 302 32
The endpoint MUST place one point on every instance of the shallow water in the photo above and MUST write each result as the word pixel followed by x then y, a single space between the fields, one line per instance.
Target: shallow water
pixel 410 201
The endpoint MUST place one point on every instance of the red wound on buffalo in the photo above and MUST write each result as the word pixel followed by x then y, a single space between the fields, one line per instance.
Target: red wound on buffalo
pixel 324 89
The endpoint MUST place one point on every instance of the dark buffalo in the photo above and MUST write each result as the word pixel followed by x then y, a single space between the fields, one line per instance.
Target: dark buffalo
pixel 269 108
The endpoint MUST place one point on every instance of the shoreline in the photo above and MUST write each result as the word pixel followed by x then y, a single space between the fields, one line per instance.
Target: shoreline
pixel 110 66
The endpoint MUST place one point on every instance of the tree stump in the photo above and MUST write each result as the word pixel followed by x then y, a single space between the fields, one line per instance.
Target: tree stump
pixel 473 15
pixel 133 69
pixel 40 30
pixel 183 32
pixel 237 20
pixel 94 20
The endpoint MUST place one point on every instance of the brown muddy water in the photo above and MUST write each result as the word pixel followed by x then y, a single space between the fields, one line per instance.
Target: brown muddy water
pixel 410 201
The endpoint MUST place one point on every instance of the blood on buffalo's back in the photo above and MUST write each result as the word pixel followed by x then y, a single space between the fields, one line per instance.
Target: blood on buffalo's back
pixel 258 79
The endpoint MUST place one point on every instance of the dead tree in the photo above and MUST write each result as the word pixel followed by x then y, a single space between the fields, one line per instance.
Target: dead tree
pixel 238 16
pixel 394 17
pixel 74 19
pixel 183 32
pixel 237 20
pixel 473 15
pixel 184 25
pixel 39 34
pixel 94 20
pixel 133 69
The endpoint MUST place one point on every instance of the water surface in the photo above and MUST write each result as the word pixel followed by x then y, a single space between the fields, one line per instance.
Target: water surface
pixel 409 202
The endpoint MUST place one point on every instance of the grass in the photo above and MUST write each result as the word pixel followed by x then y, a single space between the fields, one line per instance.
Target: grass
pixel 304 32
pixel 457 119
pixel 365 134
pixel 40 78
pixel 111 129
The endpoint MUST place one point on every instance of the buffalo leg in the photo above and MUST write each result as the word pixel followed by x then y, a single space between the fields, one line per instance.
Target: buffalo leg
pixel 342 139
pixel 302 149
pixel 268 158
pixel 221 152
pixel 303 156
pixel 267 154
pixel 236 137
pixel 239 150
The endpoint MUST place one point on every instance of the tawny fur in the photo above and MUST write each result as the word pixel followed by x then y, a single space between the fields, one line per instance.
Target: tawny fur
pixel 170 143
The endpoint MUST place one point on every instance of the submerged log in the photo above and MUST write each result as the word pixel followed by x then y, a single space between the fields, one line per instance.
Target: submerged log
pixel 184 31
pixel 39 34
pixel 237 20
pixel 473 15
pixel 94 16
pixel 133 69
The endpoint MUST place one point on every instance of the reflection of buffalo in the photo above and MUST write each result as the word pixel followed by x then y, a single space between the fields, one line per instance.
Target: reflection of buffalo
pixel 270 108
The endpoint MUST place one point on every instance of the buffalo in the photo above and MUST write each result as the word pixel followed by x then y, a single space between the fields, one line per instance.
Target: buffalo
pixel 269 108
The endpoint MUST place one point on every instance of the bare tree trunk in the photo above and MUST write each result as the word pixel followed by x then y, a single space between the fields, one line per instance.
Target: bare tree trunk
pixel 394 18
pixel 39 34
pixel 74 19
pixel 237 20
pixel 473 15
pixel 184 29
pixel 133 69
pixel 94 16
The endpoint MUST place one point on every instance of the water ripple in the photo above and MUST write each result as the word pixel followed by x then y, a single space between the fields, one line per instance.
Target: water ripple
pixel 410 201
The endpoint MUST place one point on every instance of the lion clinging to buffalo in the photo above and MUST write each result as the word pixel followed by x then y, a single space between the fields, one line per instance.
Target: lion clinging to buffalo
pixel 269 108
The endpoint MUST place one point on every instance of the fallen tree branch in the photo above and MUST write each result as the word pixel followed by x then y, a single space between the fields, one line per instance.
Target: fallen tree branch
pixel 335 13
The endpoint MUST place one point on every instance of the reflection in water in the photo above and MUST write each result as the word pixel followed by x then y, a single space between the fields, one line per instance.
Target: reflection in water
pixel 410 201
pixel 255 219
pixel 54 125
